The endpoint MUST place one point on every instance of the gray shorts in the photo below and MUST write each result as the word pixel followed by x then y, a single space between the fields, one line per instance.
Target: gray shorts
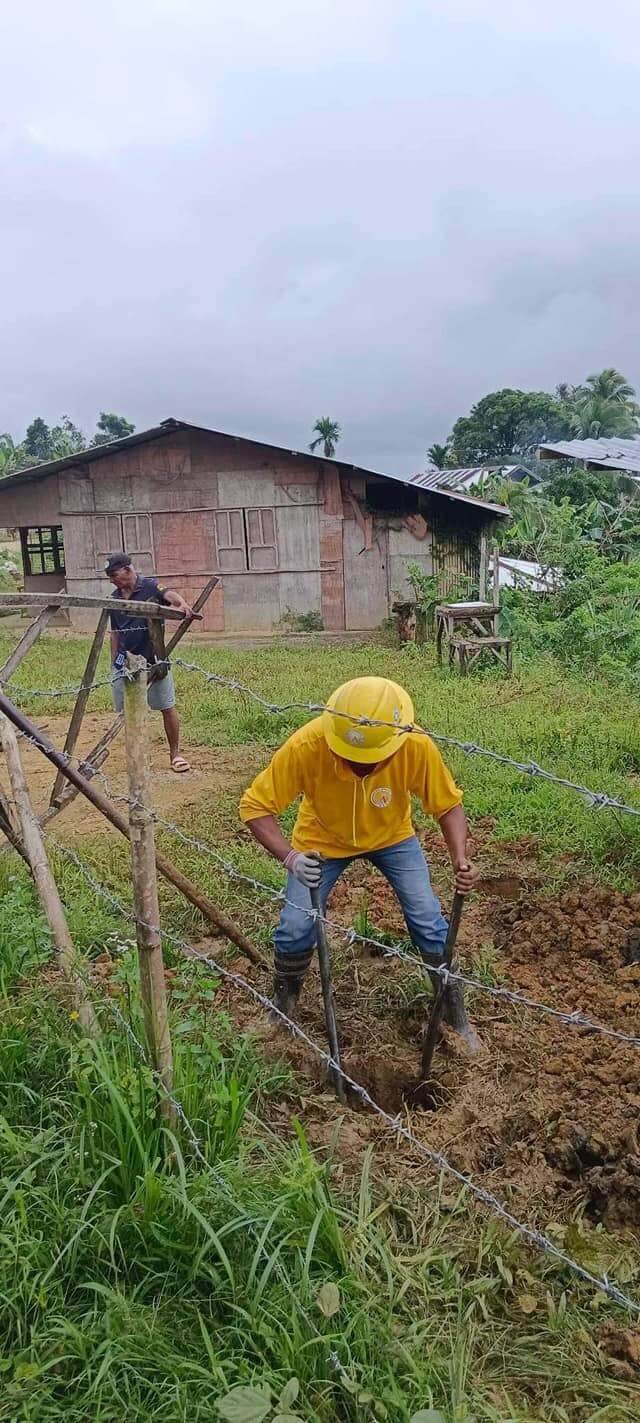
pixel 161 695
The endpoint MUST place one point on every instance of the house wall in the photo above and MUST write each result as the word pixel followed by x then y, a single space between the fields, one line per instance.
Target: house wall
pixel 178 505
pixel 288 536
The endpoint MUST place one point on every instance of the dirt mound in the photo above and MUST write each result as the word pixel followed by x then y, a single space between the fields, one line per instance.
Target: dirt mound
pixel 548 1118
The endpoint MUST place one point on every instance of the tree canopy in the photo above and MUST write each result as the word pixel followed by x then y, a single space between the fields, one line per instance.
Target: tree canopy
pixel 507 422
pixel 510 422
pixel 44 442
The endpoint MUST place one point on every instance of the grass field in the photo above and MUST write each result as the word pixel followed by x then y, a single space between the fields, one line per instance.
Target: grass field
pixel 128 1290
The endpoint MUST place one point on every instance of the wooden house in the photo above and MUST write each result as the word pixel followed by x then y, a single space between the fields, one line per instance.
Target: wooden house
pixel 290 533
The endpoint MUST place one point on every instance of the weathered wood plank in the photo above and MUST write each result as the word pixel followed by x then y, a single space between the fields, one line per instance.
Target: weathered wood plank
pixel 18 602
pixel 27 640
pixel 81 700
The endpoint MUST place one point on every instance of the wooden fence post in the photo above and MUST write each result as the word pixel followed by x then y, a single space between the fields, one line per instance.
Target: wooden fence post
pixel 36 855
pixel 145 885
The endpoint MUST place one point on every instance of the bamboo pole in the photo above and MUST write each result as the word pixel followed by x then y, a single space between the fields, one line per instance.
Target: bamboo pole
pixel 484 559
pixel 102 803
pixel 44 881
pixel 153 988
pixel 27 640
pixel 81 701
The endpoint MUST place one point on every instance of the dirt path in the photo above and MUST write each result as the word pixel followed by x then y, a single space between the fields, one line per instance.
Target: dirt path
pixel 173 795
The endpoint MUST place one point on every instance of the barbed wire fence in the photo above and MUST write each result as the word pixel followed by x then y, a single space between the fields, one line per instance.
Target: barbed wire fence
pixel 574 1019
pixel 436 1159
pixel 597 800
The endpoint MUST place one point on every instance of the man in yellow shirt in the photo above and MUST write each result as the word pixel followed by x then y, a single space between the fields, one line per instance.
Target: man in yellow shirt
pixel 356 780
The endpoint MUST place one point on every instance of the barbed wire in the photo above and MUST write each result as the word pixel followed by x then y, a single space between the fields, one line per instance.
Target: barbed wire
pixel 573 1019
pixel 436 1158
pixel 596 800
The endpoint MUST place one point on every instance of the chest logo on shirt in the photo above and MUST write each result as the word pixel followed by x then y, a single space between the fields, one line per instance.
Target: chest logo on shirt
pixel 381 797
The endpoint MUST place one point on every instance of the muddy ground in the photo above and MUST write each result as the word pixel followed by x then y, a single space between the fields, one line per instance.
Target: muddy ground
pixel 548 1117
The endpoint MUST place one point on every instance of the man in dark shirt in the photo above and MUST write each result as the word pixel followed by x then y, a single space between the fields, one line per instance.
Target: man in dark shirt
pixel 131 634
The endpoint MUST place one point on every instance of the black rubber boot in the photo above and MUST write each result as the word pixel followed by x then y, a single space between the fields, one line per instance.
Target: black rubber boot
pixel 287 984
pixel 455 1016
pixel 286 992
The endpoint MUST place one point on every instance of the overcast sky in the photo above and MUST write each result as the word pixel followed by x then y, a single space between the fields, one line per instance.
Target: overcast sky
pixel 249 213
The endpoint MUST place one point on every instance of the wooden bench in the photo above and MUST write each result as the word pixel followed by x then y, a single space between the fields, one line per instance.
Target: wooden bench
pixel 465 652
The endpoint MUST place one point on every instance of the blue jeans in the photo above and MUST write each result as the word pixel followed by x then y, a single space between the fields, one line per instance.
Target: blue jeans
pixel 406 869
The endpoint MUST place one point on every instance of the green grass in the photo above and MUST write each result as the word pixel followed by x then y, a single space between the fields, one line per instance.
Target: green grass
pixel 131 1290
pixel 580 728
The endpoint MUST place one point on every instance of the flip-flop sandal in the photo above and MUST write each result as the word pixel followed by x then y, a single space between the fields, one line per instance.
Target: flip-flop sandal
pixel 179 765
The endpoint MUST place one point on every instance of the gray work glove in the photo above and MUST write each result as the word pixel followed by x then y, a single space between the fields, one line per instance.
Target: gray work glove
pixel 305 868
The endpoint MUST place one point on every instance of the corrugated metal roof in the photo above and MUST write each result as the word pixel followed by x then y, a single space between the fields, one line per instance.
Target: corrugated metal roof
pixel 464 478
pixel 606 454
pixel 471 499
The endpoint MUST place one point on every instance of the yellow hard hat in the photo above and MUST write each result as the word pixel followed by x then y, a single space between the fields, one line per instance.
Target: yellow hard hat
pixel 377 699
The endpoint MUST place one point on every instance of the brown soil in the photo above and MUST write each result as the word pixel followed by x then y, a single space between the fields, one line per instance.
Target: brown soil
pixel 173 794
pixel 548 1117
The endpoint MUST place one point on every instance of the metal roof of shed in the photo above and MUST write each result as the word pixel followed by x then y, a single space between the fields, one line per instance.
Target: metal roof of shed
pixel 604 454
pixel 462 477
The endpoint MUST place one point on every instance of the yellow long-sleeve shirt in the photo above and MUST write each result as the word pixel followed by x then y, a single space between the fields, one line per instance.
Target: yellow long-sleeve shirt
pixel 343 814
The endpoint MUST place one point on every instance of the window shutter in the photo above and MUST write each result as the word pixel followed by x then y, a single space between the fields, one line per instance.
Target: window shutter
pixel 261 540
pixel 107 529
pixel 232 555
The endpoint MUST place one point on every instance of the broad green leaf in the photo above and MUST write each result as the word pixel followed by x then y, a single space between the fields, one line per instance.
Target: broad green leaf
pixel 288 1418
pixel 427 1415
pixel 245 1405
pixel 328 1300
pixel 289 1394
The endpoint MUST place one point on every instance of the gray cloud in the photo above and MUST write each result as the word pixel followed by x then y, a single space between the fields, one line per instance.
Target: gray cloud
pixel 250 215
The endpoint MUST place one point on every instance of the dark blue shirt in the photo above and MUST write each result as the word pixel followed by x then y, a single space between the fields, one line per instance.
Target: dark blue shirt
pixel 133 632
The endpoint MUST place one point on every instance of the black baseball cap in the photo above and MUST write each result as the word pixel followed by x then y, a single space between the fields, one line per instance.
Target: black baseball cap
pixel 116 561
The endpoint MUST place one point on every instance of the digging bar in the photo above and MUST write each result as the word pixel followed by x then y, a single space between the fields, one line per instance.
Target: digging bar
pixel 327 993
pixel 437 1009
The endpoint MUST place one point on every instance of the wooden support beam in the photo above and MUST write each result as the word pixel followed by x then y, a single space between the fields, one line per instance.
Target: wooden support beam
pixel 153 988
pixel 81 701
pixel 156 637
pixel 9 827
pixel 216 917
pixel 44 881
pixel 19 602
pixel 29 636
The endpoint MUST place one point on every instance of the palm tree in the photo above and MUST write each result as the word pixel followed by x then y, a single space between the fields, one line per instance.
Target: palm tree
pixel 438 455
pixel 594 417
pixel 327 433
pixel 610 384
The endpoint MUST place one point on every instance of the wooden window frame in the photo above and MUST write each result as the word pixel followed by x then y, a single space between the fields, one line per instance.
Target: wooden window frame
pixel 48 543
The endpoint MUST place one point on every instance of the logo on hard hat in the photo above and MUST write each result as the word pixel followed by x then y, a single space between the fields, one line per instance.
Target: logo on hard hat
pixel 355 736
pixel 381 797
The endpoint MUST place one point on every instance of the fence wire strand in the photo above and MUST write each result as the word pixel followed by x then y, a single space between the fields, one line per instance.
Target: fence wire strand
pixel 435 1158
pixel 573 1019
pixel 596 800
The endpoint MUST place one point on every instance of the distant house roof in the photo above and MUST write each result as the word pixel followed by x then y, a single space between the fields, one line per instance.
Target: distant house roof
pixel 168 427
pixel 466 478
pixel 596 454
